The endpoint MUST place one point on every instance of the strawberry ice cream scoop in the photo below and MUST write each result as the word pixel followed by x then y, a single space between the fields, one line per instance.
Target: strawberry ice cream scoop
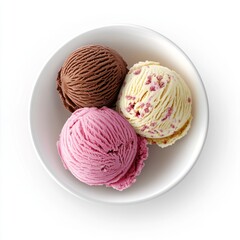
pixel 99 147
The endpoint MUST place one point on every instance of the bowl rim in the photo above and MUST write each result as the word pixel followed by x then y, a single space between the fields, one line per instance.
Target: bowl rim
pixel 150 197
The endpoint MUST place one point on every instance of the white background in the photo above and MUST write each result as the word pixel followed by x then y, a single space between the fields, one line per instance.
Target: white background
pixel 205 205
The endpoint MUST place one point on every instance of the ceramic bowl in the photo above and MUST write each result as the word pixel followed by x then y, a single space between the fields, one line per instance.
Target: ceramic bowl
pixel 165 167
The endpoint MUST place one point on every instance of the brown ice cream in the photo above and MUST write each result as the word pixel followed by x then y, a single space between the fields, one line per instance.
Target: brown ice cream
pixel 91 77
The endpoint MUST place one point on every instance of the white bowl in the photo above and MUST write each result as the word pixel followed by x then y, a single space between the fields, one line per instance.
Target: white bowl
pixel 165 167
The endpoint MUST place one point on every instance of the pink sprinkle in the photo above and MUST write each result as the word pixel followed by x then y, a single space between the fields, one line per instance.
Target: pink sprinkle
pixel 146 110
pixel 172 126
pixel 189 99
pixel 159 77
pixel 149 79
pixel 148 105
pixel 156 85
pixel 153 124
pixel 137 114
pixel 130 97
pixel 142 105
pixel 152 88
pixel 128 109
pixel 150 131
pixel 144 128
pixel 136 72
pixel 131 106
pixel 161 84
pixel 161 130
pixel 169 113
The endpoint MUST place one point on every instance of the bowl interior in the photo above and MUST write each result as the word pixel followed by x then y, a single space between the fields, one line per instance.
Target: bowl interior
pixel 164 167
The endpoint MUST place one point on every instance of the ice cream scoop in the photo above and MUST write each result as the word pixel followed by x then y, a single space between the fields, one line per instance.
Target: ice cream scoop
pixel 99 147
pixel 157 102
pixel 91 77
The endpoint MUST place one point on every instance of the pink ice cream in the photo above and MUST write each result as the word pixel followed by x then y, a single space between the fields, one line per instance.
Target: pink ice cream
pixel 100 147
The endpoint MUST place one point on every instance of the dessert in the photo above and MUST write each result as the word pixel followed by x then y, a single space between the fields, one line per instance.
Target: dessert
pixel 157 102
pixel 99 147
pixel 91 77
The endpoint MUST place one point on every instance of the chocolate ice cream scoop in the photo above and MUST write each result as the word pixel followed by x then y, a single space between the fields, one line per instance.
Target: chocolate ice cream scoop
pixel 91 77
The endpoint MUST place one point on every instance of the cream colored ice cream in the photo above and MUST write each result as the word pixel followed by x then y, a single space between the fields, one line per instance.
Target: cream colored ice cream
pixel 157 102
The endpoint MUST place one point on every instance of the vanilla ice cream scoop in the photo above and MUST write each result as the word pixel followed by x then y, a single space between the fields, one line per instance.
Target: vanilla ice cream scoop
pixel 157 102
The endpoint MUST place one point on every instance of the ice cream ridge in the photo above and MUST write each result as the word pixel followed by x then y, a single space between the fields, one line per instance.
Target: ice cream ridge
pixel 91 76
pixel 99 147
pixel 157 102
